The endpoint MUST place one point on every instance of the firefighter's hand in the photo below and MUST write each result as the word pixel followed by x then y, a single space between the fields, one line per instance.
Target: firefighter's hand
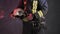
pixel 28 18
pixel 25 19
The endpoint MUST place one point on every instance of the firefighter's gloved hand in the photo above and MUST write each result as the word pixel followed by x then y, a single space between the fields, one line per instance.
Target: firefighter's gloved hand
pixel 42 19
pixel 43 23
pixel 25 19
pixel 28 18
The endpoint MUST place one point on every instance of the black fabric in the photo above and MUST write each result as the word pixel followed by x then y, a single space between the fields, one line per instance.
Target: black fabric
pixel 27 28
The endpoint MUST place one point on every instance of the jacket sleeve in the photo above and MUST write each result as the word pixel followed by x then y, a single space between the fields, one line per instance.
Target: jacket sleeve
pixel 44 6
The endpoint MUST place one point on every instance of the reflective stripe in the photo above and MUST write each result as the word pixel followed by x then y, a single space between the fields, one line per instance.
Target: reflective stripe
pixel 40 13
pixel 35 2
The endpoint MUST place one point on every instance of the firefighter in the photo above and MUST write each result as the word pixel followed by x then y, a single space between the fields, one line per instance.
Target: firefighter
pixel 27 9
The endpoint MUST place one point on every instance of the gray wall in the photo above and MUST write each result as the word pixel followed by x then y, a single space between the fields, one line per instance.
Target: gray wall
pixel 53 17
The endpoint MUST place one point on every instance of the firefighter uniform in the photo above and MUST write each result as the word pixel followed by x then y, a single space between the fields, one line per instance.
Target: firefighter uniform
pixel 39 6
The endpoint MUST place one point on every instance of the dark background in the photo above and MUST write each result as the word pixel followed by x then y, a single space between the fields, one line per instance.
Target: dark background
pixel 52 17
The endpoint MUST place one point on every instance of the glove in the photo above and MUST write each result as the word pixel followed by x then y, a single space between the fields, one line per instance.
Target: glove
pixel 28 18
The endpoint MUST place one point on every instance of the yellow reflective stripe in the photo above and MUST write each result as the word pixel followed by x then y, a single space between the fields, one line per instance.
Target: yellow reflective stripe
pixel 35 2
pixel 34 6
pixel 40 13
pixel 33 11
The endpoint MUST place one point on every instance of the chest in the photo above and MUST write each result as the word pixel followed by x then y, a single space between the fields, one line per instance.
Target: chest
pixel 30 3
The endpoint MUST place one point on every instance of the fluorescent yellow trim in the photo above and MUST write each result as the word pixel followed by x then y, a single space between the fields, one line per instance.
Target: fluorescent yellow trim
pixel 33 11
pixel 40 13
pixel 34 6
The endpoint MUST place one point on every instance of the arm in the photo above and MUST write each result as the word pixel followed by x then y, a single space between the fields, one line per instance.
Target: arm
pixel 44 6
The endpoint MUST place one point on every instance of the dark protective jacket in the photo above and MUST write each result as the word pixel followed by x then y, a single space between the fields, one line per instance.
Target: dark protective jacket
pixel 42 5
